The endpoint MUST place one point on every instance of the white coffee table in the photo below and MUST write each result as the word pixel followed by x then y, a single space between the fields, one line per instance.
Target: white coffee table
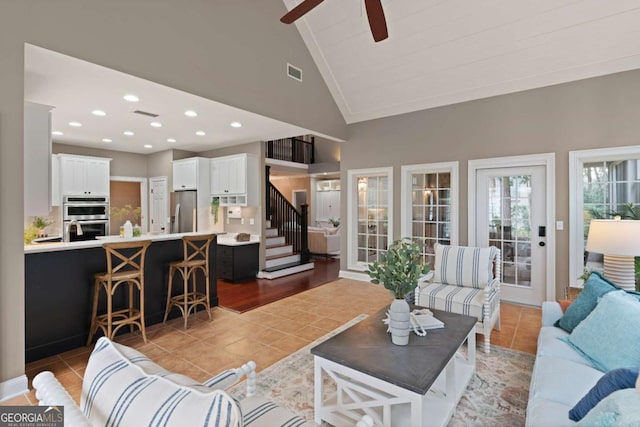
pixel 360 371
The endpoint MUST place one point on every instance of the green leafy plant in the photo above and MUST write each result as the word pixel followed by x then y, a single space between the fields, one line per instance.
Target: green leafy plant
pixel 40 222
pixel 335 222
pixel 30 233
pixel 399 269
pixel 626 211
pixel 215 204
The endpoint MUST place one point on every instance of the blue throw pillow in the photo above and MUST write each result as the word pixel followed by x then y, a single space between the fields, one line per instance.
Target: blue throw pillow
pixel 595 287
pixel 610 336
pixel 617 379
pixel 619 409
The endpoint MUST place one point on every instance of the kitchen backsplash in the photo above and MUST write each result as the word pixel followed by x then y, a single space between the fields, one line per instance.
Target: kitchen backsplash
pixel 235 225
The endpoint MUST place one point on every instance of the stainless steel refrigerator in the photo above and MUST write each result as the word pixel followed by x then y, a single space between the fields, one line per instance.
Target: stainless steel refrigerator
pixel 184 211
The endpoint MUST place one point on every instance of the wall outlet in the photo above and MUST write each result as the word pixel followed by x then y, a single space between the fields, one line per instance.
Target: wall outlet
pixel 242 221
pixel 252 221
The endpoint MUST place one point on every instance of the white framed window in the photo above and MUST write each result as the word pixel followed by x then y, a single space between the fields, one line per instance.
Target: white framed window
pixel 429 205
pixel 601 183
pixel 370 215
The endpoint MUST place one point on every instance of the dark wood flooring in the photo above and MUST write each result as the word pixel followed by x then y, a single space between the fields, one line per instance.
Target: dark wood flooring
pixel 241 297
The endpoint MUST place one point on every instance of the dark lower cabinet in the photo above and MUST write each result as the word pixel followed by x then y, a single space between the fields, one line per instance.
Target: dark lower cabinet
pixel 237 263
pixel 59 292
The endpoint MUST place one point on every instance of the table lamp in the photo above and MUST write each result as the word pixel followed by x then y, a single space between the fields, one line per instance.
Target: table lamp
pixel 619 241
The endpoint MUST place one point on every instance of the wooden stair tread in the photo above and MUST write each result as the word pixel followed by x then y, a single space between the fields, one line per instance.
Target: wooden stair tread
pixel 280 256
pixel 277 246
pixel 284 266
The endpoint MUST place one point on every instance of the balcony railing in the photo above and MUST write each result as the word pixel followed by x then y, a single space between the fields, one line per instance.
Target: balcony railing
pixel 291 150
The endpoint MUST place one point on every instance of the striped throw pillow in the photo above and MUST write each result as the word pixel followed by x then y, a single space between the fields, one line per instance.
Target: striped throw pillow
pixel 122 387
pixel 466 266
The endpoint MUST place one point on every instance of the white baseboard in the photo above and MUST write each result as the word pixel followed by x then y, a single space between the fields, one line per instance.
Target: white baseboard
pixel 354 275
pixel 13 387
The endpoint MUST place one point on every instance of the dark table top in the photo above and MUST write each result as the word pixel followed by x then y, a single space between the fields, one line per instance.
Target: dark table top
pixel 367 347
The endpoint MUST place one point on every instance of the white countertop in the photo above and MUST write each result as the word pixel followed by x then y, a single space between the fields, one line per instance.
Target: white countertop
pixel 64 246
pixel 229 239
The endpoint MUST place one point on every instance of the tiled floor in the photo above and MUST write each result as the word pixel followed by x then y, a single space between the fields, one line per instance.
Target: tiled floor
pixel 265 335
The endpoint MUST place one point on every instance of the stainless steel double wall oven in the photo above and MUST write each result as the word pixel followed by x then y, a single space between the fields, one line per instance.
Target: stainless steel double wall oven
pixel 91 212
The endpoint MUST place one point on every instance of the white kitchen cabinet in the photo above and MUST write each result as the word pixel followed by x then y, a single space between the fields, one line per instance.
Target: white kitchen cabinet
pixel 187 173
pixel 56 197
pixel 235 179
pixel 37 159
pixel 84 176
pixel 98 177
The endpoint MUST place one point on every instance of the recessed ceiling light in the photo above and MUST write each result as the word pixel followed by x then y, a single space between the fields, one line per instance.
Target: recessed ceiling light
pixel 148 146
pixel 190 113
pixel 128 133
pixel 99 113
pixel 156 124
pixel 236 124
pixel 75 124
pixel 57 132
pixel 131 98
pixel 106 140
pixel 171 140
pixel 200 133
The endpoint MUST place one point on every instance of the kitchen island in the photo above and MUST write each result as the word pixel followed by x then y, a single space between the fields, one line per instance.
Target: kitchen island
pixel 59 286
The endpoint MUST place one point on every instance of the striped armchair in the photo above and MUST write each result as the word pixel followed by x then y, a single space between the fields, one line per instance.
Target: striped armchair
pixel 121 386
pixel 465 280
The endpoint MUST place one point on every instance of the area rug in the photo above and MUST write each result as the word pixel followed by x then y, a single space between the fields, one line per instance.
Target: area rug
pixel 496 396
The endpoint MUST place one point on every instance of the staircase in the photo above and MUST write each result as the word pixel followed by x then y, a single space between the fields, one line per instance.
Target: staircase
pixel 280 259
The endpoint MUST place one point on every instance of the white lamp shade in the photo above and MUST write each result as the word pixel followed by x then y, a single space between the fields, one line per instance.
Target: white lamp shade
pixel 614 237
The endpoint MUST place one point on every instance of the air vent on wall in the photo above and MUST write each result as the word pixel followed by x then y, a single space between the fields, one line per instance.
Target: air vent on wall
pixel 145 113
pixel 294 72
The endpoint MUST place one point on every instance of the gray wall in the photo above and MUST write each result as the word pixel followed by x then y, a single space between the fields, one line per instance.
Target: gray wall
pixel 234 52
pixel 593 113
pixel 161 164
pixel 122 164
pixel 251 147
pixel 327 151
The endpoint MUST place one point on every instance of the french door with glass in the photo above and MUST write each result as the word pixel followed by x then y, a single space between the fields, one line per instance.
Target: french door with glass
pixel 510 214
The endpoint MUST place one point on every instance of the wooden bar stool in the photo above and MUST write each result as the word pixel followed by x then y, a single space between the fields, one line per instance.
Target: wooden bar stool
pixel 196 258
pixel 125 265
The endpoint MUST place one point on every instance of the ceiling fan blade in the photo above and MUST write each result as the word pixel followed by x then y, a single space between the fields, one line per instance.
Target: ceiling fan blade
pixel 299 11
pixel 377 21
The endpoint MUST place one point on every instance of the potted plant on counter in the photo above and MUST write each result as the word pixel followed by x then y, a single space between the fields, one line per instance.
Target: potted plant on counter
pixel 398 270
pixel 40 224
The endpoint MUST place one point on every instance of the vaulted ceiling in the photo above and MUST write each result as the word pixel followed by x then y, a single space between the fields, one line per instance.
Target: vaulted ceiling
pixel 442 52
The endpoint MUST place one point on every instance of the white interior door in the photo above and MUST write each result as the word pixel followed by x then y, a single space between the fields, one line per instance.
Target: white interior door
pixel 159 201
pixel 510 214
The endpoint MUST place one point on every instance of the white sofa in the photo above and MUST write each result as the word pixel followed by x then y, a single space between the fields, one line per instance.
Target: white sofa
pixel 561 376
